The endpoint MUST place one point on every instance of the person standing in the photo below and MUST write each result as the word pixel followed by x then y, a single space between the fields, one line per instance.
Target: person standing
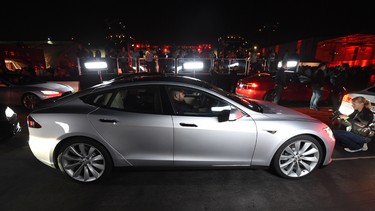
pixel 149 59
pixel 280 81
pixel 233 79
pixel 338 80
pixel 272 61
pixel 135 55
pixel 254 62
pixel 317 85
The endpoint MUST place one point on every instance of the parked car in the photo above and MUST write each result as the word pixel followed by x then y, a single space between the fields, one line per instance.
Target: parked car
pixel 262 86
pixel 24 90
pixel 9 122
pixel 134 122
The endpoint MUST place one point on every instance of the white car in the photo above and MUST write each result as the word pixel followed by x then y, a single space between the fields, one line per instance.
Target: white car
pixel 135 122
pixel 346 104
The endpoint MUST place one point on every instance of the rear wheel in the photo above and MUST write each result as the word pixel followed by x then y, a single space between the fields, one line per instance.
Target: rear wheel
pixel 84 160
pixel 29 101
pixel 297 157
pixel 270 96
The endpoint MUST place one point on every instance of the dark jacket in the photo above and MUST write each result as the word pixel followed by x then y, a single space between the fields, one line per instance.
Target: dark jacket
pixel 182 107
pixel 338 78
pixel 365 117
pixel 360 120
pixel 318 77
pixel 280 77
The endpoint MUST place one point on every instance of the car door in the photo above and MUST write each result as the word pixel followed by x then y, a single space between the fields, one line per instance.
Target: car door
pixel 296 90
pixel 200 139
pixel 131 121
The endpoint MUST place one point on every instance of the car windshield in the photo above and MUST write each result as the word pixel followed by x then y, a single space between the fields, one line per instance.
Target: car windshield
pixel 248 103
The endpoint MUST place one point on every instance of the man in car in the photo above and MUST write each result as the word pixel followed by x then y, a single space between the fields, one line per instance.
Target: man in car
pixel 179 103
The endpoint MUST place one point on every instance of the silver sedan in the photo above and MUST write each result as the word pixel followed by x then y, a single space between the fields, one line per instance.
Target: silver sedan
pixel 135 122
pixel 27 91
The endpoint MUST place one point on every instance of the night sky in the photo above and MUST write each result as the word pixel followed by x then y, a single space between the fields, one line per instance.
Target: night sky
pixel 186 22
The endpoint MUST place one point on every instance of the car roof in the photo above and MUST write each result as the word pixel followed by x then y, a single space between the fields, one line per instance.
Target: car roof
pixel 155 77
pixel 140 77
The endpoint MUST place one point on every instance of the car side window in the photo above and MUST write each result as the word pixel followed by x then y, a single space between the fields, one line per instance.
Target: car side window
pixel 139 99
pixel 187 101
pixel 118 100
pixel 102 99
pixel 143 99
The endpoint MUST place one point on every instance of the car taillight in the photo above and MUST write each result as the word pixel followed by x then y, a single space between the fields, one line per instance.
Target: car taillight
pixel 252 85
pixel 242 85
pixel 347 98
pixel 32 123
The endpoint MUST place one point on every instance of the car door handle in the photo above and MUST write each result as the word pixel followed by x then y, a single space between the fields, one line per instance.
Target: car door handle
pixel 108 120
pixel 188 125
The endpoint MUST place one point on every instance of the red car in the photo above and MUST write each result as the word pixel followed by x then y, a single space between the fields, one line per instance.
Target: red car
pixel 262 86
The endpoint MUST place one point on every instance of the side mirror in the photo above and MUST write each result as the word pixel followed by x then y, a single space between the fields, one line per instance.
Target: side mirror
pixel 224 116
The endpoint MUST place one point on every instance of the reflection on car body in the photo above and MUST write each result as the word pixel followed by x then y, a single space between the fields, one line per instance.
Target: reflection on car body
pixel 262 86
pixel 133 123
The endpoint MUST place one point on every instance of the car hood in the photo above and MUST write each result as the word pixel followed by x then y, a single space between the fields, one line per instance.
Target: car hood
pixel 289 114
pixel 275 111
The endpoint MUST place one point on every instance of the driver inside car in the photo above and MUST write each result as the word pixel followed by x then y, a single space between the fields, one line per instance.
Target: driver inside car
pixel 179 102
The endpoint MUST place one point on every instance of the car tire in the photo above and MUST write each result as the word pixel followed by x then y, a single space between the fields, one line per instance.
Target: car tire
pixel 270 95
pixel 84 160
pixel 297 157
pixel 29 101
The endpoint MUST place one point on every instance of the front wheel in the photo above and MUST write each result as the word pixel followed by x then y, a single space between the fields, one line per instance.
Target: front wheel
pixel 297 157
pixel 84 160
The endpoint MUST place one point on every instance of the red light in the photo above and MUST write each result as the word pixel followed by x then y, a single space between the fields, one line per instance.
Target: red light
pixel 137 46
pixel 32 123
pixel 165 50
